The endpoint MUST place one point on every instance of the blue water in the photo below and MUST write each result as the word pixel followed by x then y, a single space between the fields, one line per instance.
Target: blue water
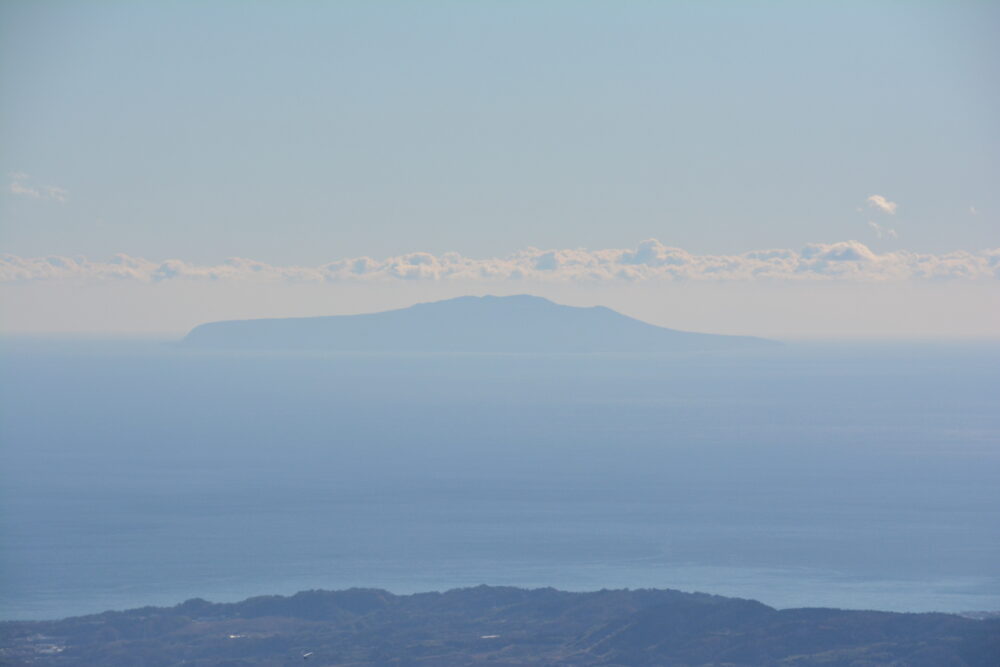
pixel 860 476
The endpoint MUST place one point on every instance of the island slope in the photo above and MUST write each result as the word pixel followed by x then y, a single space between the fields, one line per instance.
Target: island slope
pixel 500 626
pixel 512 324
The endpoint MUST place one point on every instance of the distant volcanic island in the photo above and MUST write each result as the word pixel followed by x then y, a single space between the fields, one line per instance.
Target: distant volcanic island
pixel 520 324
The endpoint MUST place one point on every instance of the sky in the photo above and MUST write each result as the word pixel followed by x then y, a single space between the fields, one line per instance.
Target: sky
pixel 778 168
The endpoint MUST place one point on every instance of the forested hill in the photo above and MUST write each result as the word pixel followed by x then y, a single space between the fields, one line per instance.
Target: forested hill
pixel 500 626
pixel 510 324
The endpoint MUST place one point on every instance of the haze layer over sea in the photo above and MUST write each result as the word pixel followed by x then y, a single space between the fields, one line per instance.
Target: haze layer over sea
pixel 856 476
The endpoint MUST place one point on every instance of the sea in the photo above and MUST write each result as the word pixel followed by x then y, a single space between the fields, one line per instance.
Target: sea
pixel 861 475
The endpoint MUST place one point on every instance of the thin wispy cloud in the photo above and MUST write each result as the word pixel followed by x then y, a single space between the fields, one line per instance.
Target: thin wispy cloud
pixel 19 186
pixel 650 261
pixel 56 194
pixel 882 204
pixel 883 232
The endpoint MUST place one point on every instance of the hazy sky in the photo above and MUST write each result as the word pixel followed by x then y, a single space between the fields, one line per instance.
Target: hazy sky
pixel 296 134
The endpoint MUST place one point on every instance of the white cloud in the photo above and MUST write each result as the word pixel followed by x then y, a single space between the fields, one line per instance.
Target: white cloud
pixel 55 194
pixel 649 262
pixel 18 186
pixel 883 232
pixel 883 204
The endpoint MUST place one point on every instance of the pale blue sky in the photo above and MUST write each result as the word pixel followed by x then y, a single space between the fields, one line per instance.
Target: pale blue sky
pixel 302 132
pixel 295 134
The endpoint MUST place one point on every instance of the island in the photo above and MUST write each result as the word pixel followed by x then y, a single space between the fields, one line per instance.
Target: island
pixel 521 324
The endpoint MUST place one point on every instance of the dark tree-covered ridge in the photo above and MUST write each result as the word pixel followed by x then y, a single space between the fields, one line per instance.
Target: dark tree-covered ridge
pixel 500 626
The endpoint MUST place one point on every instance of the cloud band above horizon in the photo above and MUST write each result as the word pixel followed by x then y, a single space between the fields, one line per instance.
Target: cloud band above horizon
pixel 649 261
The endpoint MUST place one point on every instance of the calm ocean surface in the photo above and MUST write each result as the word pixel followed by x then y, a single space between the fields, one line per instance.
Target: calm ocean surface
pixel 136 473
